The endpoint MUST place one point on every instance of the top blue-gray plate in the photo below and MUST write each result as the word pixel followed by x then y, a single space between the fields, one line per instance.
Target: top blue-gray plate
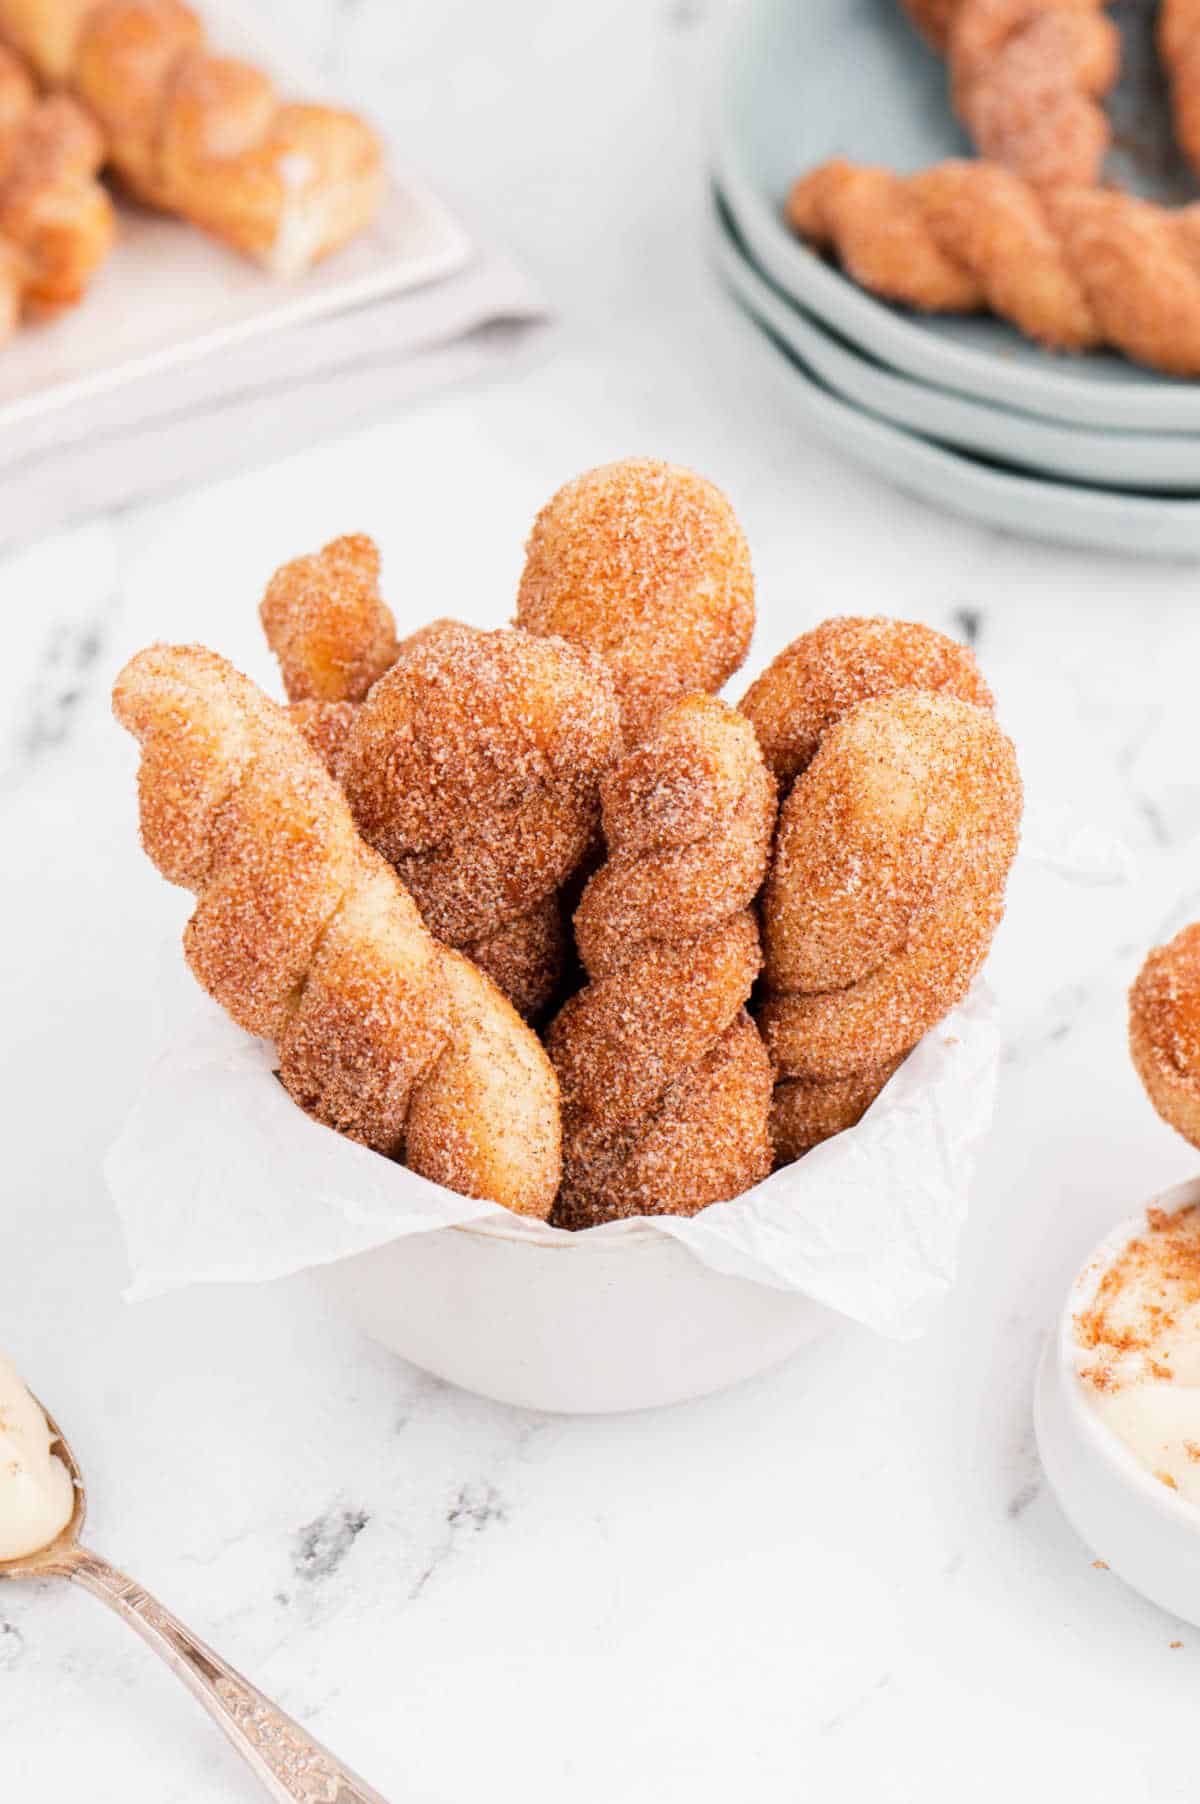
pixel 810 79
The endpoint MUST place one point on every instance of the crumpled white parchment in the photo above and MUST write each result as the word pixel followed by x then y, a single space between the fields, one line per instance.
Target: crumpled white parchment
pixel 218 1177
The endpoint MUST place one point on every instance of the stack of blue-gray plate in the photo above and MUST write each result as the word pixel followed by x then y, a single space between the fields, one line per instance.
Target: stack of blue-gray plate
pixel 1090 450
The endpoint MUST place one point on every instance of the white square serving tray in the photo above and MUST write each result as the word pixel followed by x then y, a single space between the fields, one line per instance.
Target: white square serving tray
pixel 170 295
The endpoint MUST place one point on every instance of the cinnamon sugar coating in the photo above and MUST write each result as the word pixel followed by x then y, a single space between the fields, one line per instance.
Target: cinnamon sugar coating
pixel 57 224
pixel 205 136
pixel 666 1085
pixel 1028 78
pixel 46 33
pixel 887 883
pixel 526 957
pixel 1179 53
pixel 474 767
pixel 1071 268
pixel 822 674
pixel 803 1113
pixel 644 564
pixel 932 19
pixel 326 727
pixel 328 624
pixel 306 937
pixel 1164 1031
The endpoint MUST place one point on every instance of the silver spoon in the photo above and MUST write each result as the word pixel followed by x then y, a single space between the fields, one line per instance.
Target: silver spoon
pixel 294 1768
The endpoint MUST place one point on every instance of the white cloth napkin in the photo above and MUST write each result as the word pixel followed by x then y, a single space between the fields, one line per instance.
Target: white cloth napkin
pixel 248 402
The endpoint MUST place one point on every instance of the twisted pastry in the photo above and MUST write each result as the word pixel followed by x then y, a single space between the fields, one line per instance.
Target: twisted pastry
pixel 666 1085
pixel 328 624
pixel 932 19
pixel 644 564
pixel 885 890
pixel 474 767
pixel 307 938
pixel 204 136
pixel 824 673
pixel 56 221
pixel 1164 1031
pixel 1027 77
pixel 1179 53
pixel 811 685
pixel 1072 268
pixel 471 760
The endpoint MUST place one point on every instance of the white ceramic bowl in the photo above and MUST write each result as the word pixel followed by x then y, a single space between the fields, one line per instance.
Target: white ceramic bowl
pixel 1138 1526
pixel 578 1326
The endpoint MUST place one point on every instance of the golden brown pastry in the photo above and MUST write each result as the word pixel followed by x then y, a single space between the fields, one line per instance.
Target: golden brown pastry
pixel 307 938
pixel 1027 79
pixel 56 221
pixel 328 624
pixel 474 766
pixel 471 760
pixel 1179 51
pixel 205 136
pixel 849 659
pixel 812 683
pixel 1164 1031
pixel 805 1112
pixel 1072 268
pixel 645 565
pixel 886 887
pixel 666 1085
pixel 932 19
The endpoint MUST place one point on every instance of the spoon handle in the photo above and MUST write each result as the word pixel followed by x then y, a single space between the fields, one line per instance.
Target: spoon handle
pixel 293 1767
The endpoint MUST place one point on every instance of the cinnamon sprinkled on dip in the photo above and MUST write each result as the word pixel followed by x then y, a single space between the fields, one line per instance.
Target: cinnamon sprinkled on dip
pixel 1139 1349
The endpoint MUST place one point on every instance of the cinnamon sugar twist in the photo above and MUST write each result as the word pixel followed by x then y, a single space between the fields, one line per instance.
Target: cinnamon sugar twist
pixel 824 673
pixel 56 220
pixel 1179 53
pixel 1027 78
pixel 644 565
pixel 471 760
pixel 886 887
pixel 666 1085
pixel 1072 268
pixel 802 693
pixel 205 136
pixel 1164 1031
pixel 309 939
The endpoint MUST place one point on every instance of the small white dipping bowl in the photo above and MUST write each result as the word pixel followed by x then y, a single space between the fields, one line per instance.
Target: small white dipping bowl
pixel 1132 1521
pixel 578 1325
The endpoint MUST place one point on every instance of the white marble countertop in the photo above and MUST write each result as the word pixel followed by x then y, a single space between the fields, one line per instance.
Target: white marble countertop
pixel 845 1580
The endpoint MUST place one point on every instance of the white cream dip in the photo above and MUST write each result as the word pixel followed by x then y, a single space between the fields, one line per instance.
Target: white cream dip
pixel 1139 1349
pixel 37 1496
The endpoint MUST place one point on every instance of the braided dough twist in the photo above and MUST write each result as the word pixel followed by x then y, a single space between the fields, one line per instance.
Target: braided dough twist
pixel 1179 53
pixel 205 136
pixel 56 221
pixel 1164 1031
pixel 846 660
pixel 1026 80
pixel 471 760
pixel 308 938
pixel 643 564
pixel 1072 268
pixel 885 890
pixel 666 1085
pixel 808 687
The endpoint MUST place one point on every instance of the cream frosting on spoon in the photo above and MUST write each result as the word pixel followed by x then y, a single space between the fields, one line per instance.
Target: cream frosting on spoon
pixel 37 1496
